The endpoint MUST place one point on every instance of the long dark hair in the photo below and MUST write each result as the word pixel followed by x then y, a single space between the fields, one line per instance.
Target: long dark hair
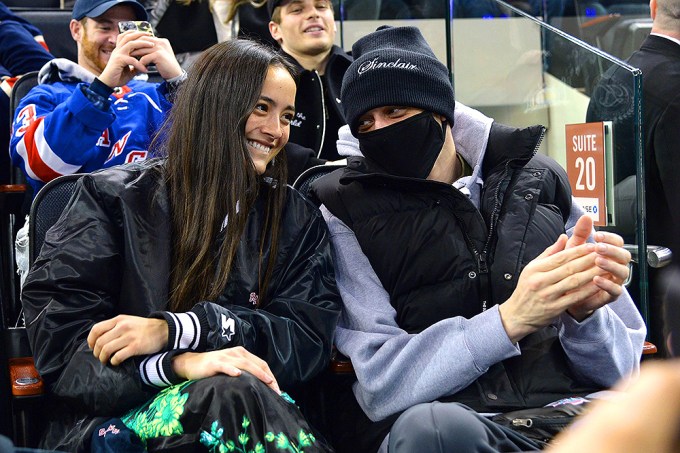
pixel 210 174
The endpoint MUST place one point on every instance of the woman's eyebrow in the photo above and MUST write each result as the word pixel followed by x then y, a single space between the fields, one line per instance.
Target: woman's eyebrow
pixel 273 102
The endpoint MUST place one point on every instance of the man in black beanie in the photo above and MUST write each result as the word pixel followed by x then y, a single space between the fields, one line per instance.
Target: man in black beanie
pixel 458 282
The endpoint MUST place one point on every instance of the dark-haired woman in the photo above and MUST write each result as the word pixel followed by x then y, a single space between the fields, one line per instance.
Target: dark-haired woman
pixel 180 295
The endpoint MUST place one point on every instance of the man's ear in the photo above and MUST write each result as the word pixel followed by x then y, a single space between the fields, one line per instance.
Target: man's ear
pixel 76 30
pixel 652 9
pixel 275 31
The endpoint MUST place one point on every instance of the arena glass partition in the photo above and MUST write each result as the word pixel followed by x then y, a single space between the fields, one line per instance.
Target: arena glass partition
pixel 519 70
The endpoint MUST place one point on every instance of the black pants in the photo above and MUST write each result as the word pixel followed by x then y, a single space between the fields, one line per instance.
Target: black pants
pixel 451 427
pixel 222 413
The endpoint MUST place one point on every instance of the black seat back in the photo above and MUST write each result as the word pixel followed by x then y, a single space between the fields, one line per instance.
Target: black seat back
pixel 54 24
pixel 21 88
pixel 21 397
pixel 304 181
pixel 47 207
pixel 33 3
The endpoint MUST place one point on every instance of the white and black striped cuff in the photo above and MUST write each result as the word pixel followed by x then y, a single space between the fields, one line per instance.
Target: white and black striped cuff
pixel 156 370
pixel 184 330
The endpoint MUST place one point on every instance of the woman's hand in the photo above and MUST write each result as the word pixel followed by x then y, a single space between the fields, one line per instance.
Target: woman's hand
pixel 117 339
pixel 230 361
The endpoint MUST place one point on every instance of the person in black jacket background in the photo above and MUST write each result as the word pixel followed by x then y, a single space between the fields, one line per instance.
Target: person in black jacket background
pixel 181 296
pixel 612 98
pixel 305 30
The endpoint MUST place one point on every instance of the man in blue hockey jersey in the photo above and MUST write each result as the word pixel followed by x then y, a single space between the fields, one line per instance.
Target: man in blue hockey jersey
pixel 97 113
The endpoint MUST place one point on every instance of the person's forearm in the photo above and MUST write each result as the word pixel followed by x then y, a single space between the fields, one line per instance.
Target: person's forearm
pixel 396 370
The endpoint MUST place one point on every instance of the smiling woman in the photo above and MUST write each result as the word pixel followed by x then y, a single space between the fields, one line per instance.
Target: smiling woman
pixel 268 127
pixel 195 280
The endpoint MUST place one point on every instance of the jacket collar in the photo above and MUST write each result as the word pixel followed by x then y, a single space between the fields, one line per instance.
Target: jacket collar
pixel 501 145
pixel 336 53
pixel 660 44
pixel 470 134
pixel 64 70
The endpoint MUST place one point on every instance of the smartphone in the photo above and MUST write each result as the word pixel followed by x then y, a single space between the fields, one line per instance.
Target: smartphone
pixel 139 25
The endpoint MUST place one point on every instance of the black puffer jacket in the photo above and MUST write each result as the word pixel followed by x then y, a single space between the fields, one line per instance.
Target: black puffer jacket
pixel 470 252
pixel 109 254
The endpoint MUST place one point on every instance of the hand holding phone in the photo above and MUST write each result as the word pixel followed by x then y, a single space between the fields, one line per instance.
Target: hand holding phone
pixel 135 52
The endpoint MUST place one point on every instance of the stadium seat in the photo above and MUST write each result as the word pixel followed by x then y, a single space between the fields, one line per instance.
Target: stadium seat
pixel 303 182
pixel 33 3
pixel 26 386
pixel 46 209
pixel 626 36
pixel 13 387
pixel 630 9
pixel 189 28
pixel 54 24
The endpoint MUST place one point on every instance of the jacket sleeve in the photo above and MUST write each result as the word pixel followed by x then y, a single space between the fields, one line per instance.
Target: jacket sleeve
pixel 73 284
pixel 665 150
pixel 396 370
pixel 607 345
pixel 51 138
pixel 293 331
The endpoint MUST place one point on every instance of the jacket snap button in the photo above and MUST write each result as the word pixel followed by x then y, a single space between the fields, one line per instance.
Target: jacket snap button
pixel 537 174
pixel 472 274
pixel 528 197
pixel 507 276
pixel 492 396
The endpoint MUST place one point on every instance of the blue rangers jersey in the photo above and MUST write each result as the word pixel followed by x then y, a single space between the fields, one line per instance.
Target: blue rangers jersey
pixel 58 130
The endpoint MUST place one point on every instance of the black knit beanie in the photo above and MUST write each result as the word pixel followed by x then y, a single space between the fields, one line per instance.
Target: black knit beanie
pixel 395 66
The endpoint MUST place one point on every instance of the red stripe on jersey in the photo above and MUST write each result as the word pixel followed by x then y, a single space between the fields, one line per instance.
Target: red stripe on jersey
pixel 40 168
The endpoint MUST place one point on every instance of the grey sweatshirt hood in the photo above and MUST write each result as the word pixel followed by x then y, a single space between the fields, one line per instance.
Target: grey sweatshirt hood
pixel 470 134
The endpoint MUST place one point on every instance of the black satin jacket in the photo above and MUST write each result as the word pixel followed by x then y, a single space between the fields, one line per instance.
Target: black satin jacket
pixel 109 254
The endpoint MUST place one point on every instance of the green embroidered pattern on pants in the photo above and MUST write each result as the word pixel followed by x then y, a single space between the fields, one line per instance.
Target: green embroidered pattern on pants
pixel 213 440
pixel 161 417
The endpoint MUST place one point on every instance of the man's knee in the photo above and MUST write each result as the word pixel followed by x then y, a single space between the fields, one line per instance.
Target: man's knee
pixel 437 427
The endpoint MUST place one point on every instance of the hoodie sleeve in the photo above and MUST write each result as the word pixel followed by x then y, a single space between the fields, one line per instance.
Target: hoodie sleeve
pixel 607 345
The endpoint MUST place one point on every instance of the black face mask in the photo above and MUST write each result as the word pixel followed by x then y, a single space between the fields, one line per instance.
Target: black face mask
pixel 407 148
